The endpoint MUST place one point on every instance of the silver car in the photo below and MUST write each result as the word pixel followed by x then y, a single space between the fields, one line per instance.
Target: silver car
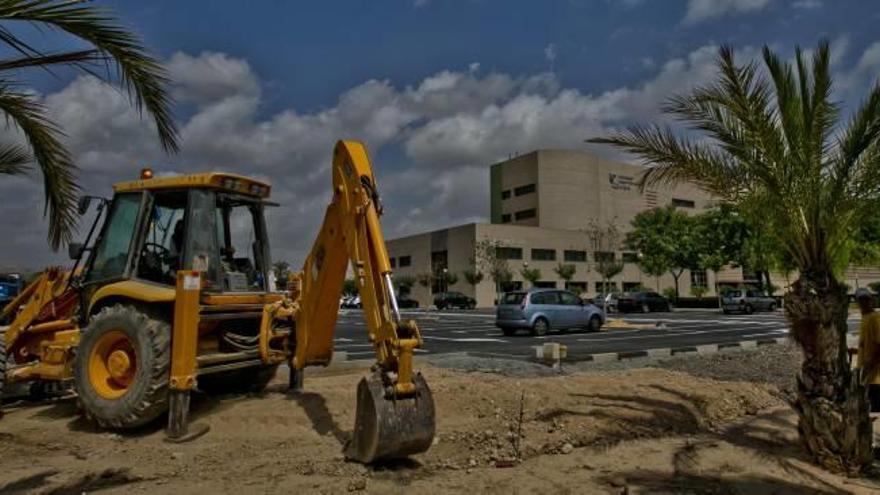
pixel 540 310
pixel 746 301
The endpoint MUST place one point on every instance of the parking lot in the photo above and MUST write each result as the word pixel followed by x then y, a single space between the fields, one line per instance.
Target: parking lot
pixel 475 332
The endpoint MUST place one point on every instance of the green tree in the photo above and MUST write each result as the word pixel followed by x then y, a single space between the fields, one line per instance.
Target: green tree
pixel 532 275
pixel 665 238
pixel 404 284
pixel 488 260
pixel 565 271
pixel 426 280
pixel 106 42
pixel 281 269
pixel 771 141
pixel 349 287
pixel 473 276
pixel 699 291
pixel 604 241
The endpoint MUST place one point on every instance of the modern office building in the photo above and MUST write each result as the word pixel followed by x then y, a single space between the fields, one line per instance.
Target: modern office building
pixel 542 206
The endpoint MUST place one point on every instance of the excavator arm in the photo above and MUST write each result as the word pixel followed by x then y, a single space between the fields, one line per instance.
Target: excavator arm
pixel 395 410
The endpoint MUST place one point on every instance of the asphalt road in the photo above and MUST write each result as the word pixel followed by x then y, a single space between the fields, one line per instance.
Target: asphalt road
pixel 475 332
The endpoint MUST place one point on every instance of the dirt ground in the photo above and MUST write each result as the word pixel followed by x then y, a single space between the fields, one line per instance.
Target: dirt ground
pixel 645 430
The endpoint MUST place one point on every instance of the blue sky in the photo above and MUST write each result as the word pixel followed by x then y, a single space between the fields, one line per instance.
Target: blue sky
pixel 438 89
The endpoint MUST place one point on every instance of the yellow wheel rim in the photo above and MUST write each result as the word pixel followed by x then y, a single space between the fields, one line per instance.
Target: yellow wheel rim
pixel 112 365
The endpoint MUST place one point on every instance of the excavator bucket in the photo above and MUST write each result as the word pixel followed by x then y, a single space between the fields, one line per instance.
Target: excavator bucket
pixel 389 428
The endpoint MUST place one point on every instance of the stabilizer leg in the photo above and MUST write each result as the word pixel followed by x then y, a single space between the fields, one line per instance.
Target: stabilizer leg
pixel 296 380
pixel 178 419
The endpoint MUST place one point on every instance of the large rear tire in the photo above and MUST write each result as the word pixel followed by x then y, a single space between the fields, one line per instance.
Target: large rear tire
pixel 122 368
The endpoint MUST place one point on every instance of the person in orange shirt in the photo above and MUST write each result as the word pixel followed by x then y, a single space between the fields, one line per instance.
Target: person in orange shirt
pixel 869 347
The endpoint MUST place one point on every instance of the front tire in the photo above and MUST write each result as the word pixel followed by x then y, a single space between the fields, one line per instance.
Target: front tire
pixel 749 309
pixel 595 324
pixel 122 369
pixel 646 308
pixel 540 327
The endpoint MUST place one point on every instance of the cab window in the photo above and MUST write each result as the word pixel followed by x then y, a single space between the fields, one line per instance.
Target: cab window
pixel 241 252
pixel 161 253
pixel 111 254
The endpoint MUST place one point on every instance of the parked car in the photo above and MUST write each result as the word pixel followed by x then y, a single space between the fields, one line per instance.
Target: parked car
pixel 746 301
pixel 445 300
pixel 351 302
pixel 405 301
pixel 644 302
pixel 540 310
pixel 607 300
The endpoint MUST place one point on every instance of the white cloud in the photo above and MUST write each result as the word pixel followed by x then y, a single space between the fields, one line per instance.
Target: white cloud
pixel 807 4
pixel 442 133
pixel 550 52
pixel 704 10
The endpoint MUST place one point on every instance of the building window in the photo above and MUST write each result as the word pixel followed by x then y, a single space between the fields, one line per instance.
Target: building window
pixel 576 287
pixel 392 262
pixel 505 218
pixel 575 256
pixel 699 278
pixel 405 261
pixel 505 194
pixel 543 255
pixel 630 257
pixel 604 287
pixel 545 285
pixel 632 286
pixel 524 214
pixel 523 190
pixel 509 253
pixel 604 256
pixel 683 203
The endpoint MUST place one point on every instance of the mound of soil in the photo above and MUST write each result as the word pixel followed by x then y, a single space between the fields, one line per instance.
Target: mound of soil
pixel 645 430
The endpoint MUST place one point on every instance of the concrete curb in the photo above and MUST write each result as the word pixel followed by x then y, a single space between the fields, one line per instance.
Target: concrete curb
pixel 665 352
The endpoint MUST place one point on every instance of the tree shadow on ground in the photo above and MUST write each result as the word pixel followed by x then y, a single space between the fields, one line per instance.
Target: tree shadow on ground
pixel 684 415
pixel 661 482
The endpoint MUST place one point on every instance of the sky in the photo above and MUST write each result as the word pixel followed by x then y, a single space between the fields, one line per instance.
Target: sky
pixel 437 89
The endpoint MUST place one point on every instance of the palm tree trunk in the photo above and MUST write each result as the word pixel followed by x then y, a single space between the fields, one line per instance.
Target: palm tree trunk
pixel 831 400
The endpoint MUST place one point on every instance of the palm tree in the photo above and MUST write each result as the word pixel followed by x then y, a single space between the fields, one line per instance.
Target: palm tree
pixel 142 77
pixel 771 142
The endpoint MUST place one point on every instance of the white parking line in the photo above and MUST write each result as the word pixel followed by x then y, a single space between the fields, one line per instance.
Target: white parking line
pixel 465 339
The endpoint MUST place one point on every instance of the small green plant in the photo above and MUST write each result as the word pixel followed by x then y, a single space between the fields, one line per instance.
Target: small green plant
pixel 699 291
pixel 531 275
pixel 669 293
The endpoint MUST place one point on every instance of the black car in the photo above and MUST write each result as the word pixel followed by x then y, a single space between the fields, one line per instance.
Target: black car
pixel 405 302
pixel 642 301
pixel 445 300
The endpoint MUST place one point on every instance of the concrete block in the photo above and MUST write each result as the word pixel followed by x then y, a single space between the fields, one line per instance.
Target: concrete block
pixel 340 356
pixel 659 353
pixel 604 357
pixel 707 349
pixel 749 344
pixel 781 340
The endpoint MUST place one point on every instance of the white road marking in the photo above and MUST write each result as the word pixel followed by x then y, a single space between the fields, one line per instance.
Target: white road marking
pixel 466 339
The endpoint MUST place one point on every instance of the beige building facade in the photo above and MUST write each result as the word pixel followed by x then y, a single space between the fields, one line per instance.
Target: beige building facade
pixel 541 207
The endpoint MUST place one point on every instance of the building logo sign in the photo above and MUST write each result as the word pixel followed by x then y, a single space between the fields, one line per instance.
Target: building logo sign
pixel 621 182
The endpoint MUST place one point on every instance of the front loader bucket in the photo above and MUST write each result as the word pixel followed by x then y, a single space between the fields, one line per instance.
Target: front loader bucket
pixel 391 428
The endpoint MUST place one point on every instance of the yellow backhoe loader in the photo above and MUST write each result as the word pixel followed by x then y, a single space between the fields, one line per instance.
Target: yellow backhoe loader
pixel 177 293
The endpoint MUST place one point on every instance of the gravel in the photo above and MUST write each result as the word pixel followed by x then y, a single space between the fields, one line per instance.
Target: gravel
pixel 775 364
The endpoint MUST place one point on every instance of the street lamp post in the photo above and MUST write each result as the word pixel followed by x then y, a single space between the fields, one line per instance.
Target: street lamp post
pixel 445 280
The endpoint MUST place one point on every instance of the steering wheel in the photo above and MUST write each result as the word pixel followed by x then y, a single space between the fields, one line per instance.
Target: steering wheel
pixel 160 251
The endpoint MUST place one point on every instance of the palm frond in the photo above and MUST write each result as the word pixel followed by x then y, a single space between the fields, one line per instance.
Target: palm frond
pixel 673 159
pixel 58 171
pixel 141 75
pixel 66 58
pixel 14 159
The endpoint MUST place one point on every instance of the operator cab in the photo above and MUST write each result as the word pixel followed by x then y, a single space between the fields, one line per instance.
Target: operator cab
pixel 213 223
